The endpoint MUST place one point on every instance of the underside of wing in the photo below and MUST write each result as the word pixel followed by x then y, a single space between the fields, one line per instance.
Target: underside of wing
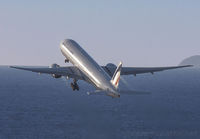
pixel 71 72
pixel 140 70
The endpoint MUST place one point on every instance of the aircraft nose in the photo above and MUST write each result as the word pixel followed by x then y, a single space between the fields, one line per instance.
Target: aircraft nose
pixel 65 43
pixel 68 43
pixel 62 43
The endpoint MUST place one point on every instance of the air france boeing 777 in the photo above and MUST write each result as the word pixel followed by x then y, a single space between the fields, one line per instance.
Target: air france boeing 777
pixel 104 78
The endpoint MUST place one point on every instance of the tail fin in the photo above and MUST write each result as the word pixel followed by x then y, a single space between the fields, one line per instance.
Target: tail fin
pixel 116 76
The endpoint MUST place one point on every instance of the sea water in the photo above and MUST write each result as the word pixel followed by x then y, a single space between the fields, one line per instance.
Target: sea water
pixel 34 106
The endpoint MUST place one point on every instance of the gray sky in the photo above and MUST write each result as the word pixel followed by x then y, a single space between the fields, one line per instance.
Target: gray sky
pixel 136 32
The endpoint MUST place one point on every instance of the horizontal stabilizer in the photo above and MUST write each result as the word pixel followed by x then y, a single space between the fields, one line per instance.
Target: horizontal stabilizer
pixel 134 92
pixel 96 92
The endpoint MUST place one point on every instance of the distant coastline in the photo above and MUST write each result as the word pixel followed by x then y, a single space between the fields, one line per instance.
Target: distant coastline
pixel 192 60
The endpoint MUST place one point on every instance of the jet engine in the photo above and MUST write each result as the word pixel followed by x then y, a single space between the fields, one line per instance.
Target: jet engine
pixel 111 65
pixel 54 66
pixel 110 68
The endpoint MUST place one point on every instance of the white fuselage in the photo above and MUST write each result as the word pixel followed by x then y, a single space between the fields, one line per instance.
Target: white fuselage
pixel 96 74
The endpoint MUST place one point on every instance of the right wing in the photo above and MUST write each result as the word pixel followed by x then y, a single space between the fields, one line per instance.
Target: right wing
pixel 71 72
pixel 139 70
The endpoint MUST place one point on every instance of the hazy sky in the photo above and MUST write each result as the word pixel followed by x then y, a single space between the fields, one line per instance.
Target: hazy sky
pixel 136 32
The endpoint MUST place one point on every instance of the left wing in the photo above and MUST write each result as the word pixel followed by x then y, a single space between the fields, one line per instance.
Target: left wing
pixel 71 72
pixel 140 70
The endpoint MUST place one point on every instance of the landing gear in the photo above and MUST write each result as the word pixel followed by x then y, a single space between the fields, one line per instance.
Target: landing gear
pixel 75 86
pixel 66 60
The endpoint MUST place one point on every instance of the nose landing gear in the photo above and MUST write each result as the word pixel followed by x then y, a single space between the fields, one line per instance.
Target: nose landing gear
pixel 75 86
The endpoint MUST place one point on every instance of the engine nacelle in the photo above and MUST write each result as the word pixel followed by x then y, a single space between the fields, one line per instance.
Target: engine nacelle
pixel 54 66
pixel 55 75
pixel 110 68
pixel 111 65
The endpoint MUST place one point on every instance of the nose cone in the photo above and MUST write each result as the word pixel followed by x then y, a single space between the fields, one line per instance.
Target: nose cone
pixel 64 42
pixel 67 42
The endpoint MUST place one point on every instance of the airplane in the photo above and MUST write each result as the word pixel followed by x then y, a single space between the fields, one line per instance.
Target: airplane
pixel 104 78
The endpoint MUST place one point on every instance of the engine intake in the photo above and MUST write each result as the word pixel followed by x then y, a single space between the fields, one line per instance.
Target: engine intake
pixel 110 68
pixel 55 75
pixel 111 65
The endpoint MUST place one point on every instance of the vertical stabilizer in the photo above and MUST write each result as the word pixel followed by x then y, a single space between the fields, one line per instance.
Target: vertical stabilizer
pixel 116 76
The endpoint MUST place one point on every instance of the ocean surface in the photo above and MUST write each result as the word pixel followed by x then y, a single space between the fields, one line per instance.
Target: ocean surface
pixel 34 106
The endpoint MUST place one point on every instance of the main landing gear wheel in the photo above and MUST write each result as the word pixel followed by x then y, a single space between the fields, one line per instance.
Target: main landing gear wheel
pixel 75 86
pixel 66 60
